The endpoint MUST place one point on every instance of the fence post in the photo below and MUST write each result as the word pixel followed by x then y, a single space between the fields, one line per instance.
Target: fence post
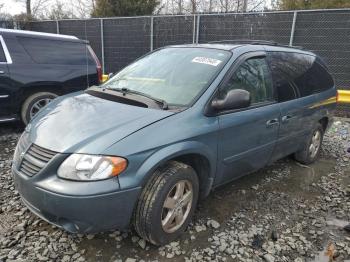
pixel 57 27
pixel 151 35
pixel 198 23
pixel 194 29
pixel 291 39
pixel 102 46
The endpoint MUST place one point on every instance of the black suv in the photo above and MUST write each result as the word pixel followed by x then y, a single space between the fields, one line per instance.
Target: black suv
pixel 37 67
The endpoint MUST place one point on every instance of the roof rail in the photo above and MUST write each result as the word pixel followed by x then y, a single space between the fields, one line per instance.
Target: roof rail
pixel 252 42
pixel 245 41
pixel 16 31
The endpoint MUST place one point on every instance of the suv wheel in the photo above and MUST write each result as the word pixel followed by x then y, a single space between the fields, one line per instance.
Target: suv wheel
pixel 312 147
pixel 33 104
pixel 167 203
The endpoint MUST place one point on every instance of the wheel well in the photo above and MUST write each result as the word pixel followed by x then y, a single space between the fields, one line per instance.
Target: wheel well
pixel 30 90
pixel 324 123
pixel 202 167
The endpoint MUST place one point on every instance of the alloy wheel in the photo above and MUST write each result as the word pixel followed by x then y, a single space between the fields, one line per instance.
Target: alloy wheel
pixel 38 105
pixel 177 206
pixel 315 143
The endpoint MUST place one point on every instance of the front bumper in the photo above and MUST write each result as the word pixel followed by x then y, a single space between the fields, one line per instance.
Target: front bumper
pixel 77 213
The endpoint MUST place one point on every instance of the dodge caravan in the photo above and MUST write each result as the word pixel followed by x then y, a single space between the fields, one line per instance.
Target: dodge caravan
pixel 143 147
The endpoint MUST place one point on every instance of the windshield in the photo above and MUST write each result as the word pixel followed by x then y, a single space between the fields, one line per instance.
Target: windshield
pixel 174 75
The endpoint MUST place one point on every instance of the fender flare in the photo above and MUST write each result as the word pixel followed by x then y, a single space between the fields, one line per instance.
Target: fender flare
pixel 175 150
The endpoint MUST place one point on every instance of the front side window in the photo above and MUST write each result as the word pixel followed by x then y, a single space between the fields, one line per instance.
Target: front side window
pixel 174 75
pixel 253 76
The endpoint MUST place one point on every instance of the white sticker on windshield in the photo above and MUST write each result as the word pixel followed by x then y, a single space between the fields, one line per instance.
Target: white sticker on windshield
pixel 206 60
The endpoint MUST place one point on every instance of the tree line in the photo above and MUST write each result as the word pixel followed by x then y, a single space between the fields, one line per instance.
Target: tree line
pixel 64 9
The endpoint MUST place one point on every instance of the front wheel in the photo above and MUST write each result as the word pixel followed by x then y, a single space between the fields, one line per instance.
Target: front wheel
pixel 312 147
pixel 34 103
pixel 167 203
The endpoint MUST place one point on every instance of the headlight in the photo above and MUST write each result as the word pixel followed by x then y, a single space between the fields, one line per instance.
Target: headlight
pixel 91 167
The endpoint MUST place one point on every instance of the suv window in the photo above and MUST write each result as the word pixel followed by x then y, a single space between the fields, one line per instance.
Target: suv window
pixel 2 54
pixel 45 51
pixel 254 76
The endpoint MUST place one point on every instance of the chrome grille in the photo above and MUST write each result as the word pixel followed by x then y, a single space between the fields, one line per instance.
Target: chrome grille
pixel 22 145
pixel 33 159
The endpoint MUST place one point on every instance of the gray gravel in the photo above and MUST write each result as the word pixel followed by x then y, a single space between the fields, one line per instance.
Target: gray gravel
pixel 285 212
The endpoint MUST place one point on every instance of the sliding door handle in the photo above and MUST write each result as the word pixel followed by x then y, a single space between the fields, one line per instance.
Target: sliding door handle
pixel 286 118
pixel 2 72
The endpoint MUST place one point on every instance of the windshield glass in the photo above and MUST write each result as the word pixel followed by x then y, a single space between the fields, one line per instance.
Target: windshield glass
pixel 174 75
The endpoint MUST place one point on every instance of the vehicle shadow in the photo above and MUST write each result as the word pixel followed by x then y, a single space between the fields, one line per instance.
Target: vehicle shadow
pixel 11 128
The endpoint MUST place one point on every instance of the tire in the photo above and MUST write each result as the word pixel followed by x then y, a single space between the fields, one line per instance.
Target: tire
pixel 27 107
pixel 306 155
pixel 150 214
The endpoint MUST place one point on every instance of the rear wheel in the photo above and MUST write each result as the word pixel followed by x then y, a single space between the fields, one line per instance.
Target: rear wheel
pixel 312 147
pixel 34 103
pixel 167 203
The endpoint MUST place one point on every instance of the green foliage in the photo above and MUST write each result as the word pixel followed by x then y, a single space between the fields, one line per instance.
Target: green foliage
pixel 312 4
pixel 108 8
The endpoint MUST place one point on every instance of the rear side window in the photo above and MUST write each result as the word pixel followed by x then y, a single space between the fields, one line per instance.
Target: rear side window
pixel 285 90
pixel 44 51
pixel 253 76
pixel 297 75
pixel 2 54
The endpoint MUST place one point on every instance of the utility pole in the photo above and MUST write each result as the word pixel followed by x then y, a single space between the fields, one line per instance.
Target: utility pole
pixel 245 6
pixel 180 6
pixel 29 9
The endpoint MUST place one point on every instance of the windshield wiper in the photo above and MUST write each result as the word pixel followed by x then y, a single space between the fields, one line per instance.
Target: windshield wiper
pixel 124 90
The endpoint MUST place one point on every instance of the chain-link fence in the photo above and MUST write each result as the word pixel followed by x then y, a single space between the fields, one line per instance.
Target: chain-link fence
pixel 262 26
pixel 118 41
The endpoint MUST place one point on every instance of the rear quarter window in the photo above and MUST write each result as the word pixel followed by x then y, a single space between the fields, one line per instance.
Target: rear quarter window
pixel 2 54
pixel 311 77
pixel 45 51
pixel 319 78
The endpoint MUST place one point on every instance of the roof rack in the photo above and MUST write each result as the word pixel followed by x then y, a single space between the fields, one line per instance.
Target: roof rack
pixel 252 42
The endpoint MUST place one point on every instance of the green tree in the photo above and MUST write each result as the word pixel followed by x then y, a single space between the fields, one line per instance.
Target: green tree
pixel 311 4
pixel 108 8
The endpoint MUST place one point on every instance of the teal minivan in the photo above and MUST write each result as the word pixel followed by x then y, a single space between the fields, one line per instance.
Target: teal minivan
pixel 143 147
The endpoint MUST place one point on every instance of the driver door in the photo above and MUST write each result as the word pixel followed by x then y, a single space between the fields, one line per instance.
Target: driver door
pixel 247 136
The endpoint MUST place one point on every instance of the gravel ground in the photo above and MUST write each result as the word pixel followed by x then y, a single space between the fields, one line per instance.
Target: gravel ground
pixel 285 212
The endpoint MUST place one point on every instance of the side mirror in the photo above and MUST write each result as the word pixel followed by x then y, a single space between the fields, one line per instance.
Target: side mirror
pixel 234 99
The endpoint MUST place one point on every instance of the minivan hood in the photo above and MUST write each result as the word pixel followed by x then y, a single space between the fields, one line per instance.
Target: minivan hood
pixel 83 123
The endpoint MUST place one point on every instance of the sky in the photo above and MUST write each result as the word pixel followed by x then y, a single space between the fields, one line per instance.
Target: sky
pixel 15 7
pixel 12 7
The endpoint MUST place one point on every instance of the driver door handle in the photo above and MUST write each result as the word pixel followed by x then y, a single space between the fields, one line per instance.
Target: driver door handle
pixel 272 122
pixel 2 72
